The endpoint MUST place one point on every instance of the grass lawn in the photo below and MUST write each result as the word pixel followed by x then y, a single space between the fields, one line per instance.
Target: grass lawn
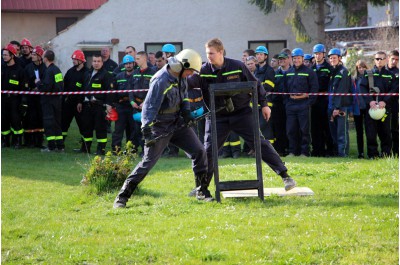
pixel 49 218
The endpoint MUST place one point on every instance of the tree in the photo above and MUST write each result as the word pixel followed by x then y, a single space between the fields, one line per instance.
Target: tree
pixel 293 17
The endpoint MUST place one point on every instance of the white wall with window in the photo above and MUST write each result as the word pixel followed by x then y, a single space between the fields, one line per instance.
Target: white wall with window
pixel 188 24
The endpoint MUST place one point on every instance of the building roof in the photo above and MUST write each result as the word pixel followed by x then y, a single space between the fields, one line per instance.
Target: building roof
pixel 50 5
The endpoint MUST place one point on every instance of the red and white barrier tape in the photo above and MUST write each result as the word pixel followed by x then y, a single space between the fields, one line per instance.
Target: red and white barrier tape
pixel 71 93
pixel 144 90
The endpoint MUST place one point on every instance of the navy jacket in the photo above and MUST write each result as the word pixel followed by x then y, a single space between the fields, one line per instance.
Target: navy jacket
pixel 141 80
pixel 340 83
pixel 385 80
pixel 231 71
pixel 164 99
pixel 324 74
pixel 301 80
pixel 99 81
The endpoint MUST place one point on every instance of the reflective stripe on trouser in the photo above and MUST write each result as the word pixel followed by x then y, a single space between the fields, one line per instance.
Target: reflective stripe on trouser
pixel 241 123
pixel 69 112
pixel 51 107
pixel 184 138
pixel 93 118
pixel 232 144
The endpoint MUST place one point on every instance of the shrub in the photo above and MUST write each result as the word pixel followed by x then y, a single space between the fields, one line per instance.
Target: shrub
pixel 109 173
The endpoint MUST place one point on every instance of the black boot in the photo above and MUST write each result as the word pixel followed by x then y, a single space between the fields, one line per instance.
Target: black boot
pixel 38 139
pixel 85 147
pixel 5 141
pixel 28 140
pixel 124 194
pixel 202 192
pixel 18 141
pixel 197 181
pixel 101 149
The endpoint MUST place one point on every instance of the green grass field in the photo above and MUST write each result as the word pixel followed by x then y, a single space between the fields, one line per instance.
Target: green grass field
pixel 49 218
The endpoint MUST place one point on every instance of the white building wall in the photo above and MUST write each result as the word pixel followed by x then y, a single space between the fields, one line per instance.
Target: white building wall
pixel 193 22
pixel 377 15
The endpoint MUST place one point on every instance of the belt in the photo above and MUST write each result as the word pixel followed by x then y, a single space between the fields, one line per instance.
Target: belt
pixel 138 100
pixel 170 110
pixel 124 99
pixel 192 100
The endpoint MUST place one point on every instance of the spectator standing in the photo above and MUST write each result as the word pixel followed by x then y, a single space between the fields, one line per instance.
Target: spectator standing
pixel 322 144
pixel 51 105
pixel 73 82
pixel 338 105
pixel 360 108
pixel 12 78
pixel 121 102
pixel 33 120
pixel 385 81
pixel 93 107
pixel 393 66
pixel 301 81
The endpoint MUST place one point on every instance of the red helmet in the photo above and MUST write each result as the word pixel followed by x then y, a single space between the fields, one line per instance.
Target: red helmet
pixel 39 51
pixel 11 49
pixel 78 55
pixel 113 115
pixel 26 42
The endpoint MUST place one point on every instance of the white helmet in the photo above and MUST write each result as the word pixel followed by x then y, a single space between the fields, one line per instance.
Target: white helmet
pixel 186 59
pixel 377 113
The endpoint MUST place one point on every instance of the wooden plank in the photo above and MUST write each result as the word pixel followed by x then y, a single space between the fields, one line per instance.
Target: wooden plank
pixel 298 191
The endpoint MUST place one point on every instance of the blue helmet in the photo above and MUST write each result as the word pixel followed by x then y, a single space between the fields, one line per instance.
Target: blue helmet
pixel 168 48
pixel 297 52
pixel 319 48
pixel 262 49
pixel 128 59
pixel 334 51
pixel 307 56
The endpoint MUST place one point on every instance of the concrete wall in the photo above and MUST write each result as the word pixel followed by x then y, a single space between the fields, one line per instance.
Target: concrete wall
pixel 39 28
pixel 192 22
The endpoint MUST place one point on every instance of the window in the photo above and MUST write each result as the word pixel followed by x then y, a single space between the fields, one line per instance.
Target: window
pixel 273 46
pixel 64 22
pixel 156 46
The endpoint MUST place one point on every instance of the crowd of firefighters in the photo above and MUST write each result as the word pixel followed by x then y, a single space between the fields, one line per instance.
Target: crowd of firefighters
pixel 301 124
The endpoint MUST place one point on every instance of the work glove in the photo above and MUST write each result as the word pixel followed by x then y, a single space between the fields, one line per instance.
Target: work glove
pixel 148 136
pixel 187 117
pixel 229 105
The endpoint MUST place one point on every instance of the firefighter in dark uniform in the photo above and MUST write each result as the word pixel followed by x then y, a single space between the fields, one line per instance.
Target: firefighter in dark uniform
pixel 338 105
pixel 12 78
pixel 322 144
pixel 73 82
pixel 266 75
pixel 141 80
pixel 165 109
pixel 278 111
pixel 393 66
pixel 93 106
pixel 386 82
pixel 121 102
pixel 51 105
pixel 300 81
pixel 26 51
pixel 238 118
pixel 33 120
pixel 108 64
